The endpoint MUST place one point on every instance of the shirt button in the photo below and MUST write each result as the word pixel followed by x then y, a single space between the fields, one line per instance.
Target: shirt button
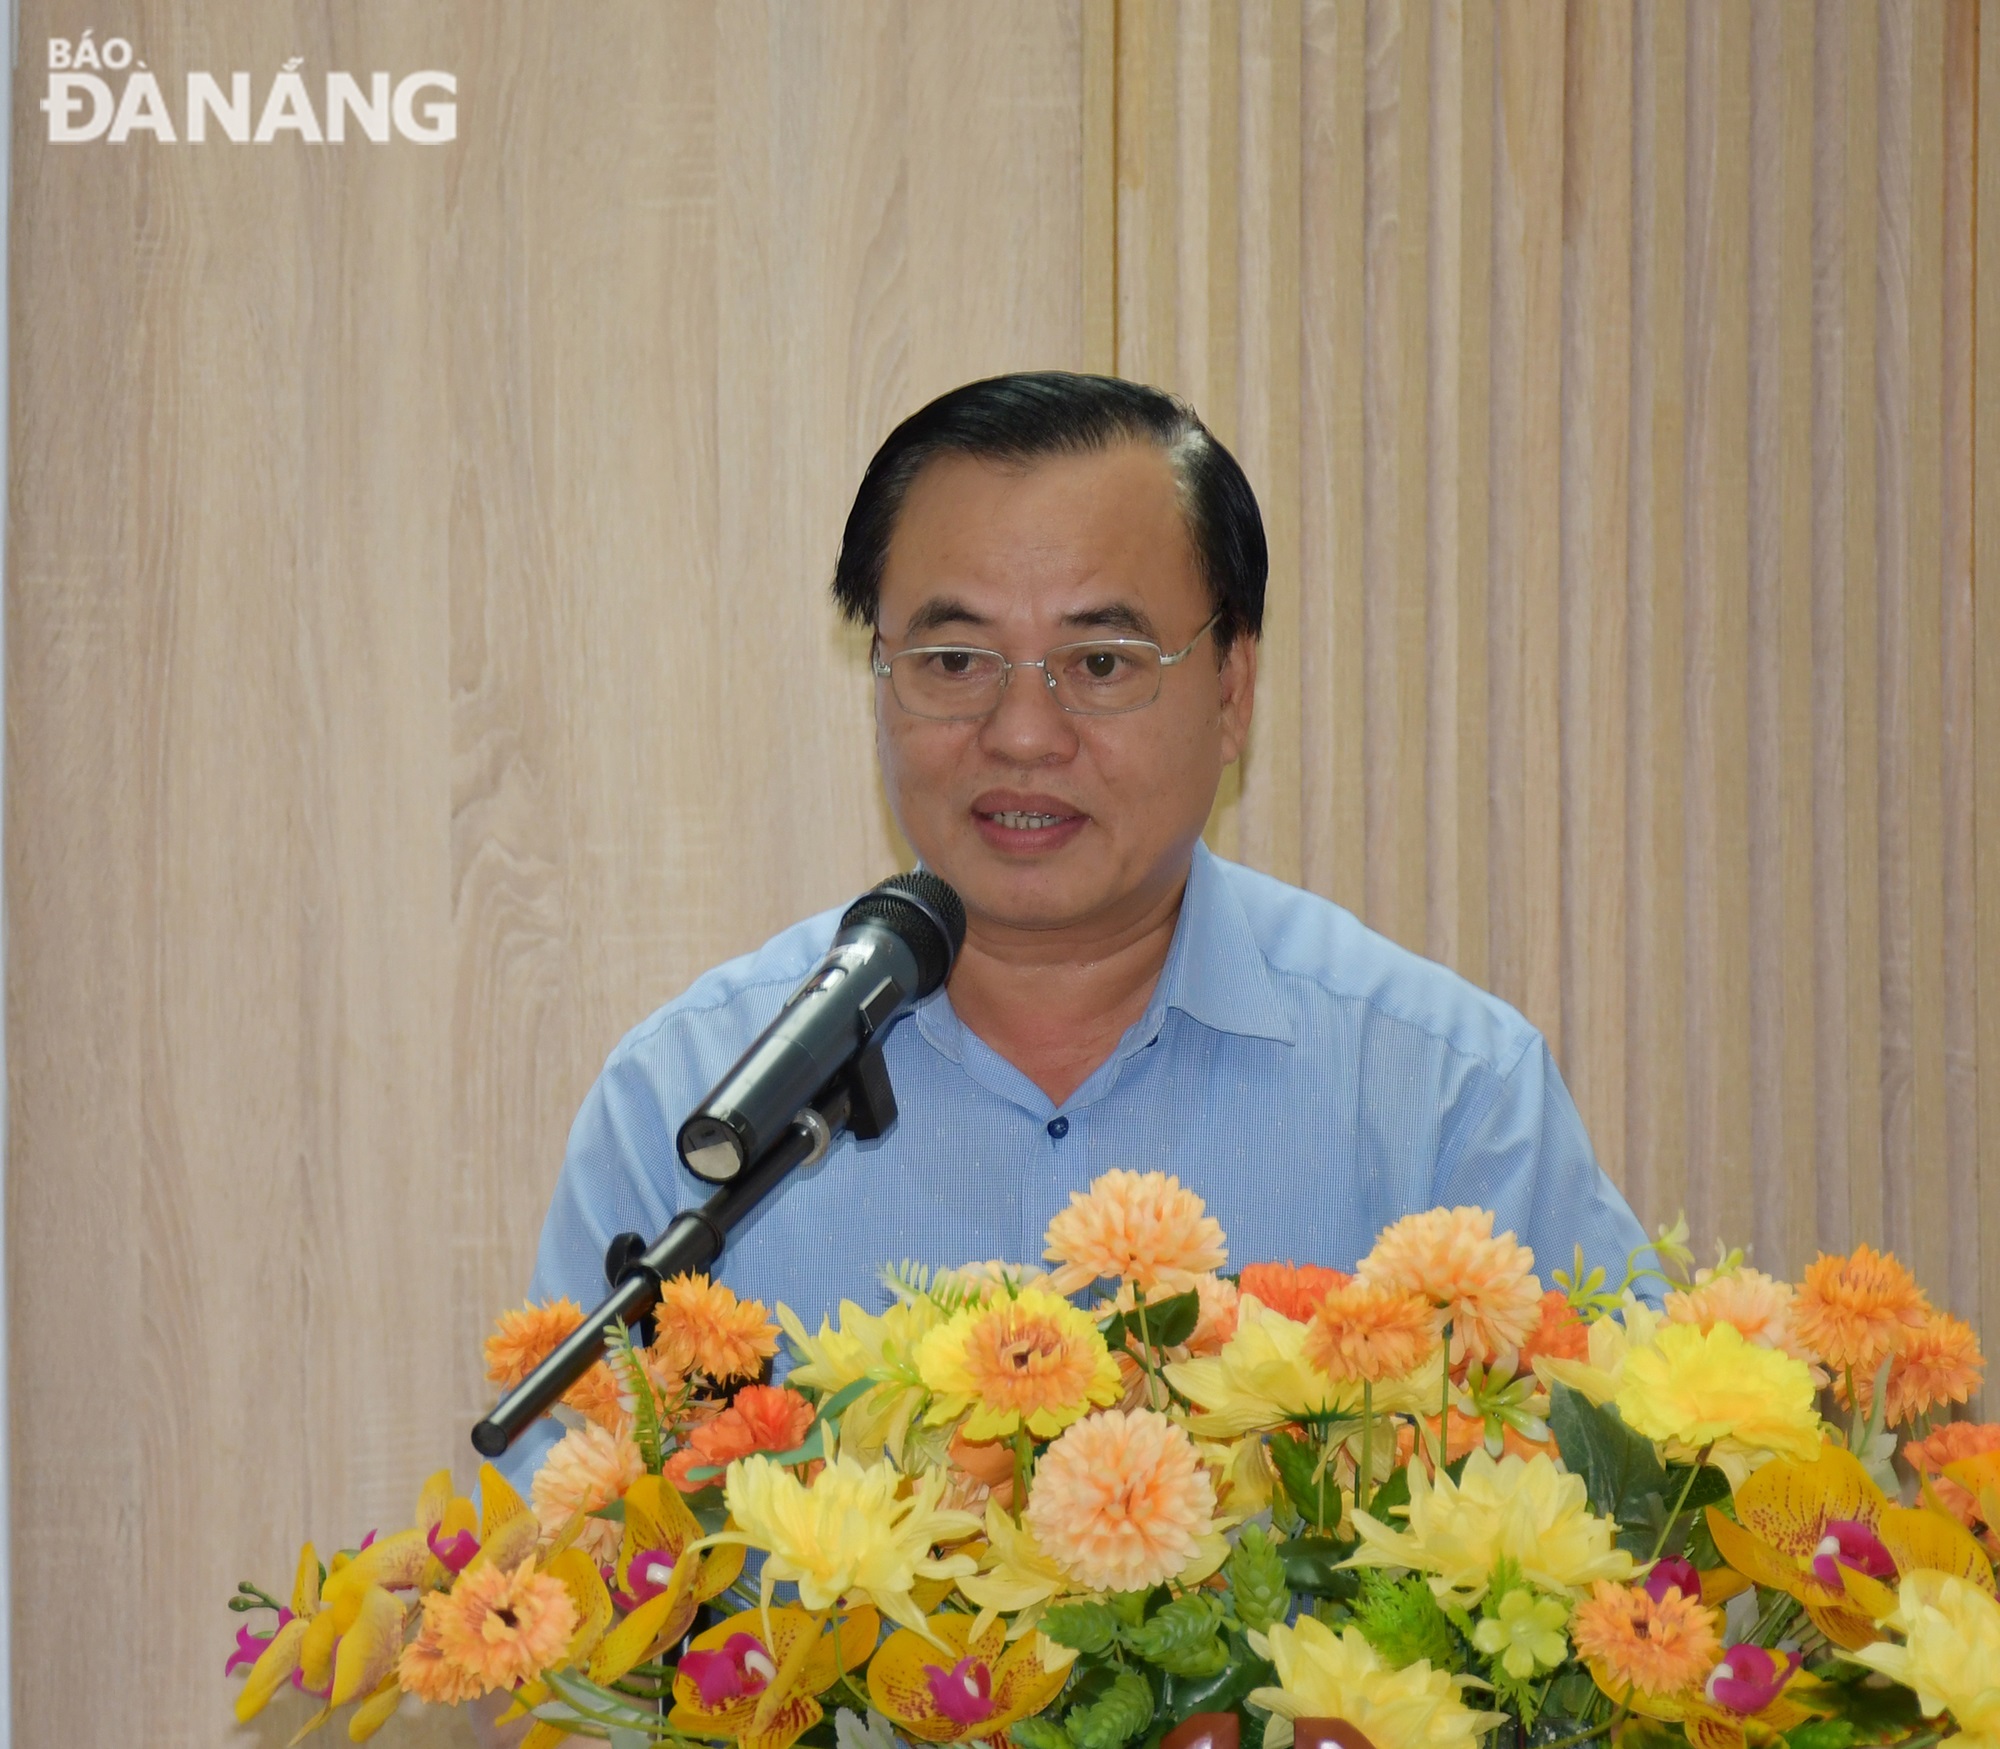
pixel 1058 1127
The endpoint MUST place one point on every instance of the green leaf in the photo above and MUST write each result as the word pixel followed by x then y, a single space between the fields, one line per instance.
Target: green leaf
pixel 1039 1733
pixel 1823 1734
pixel 1393 1493
pixel 1710 1487
pixel 1619 1468
pixel 1083 1627
pixel 1224 1692
pixel 1312 1565
pixel 1113 1331
pixel 1129 1606
pixel 1117 1716
pixel 1168 1322
pixel 1297 1462
pixel 1257 1579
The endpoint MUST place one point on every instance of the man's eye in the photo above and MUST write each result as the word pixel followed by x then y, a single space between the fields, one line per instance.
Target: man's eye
pixel 954 664
pixel 1101 665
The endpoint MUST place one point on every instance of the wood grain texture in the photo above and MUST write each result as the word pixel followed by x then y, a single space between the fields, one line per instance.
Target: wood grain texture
pixel 399 536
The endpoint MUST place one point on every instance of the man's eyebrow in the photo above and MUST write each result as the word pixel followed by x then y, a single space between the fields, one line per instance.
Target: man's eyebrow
pixel 942 610
pixel 1116 616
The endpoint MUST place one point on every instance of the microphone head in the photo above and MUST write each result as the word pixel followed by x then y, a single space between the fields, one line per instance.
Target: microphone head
pixel 924 913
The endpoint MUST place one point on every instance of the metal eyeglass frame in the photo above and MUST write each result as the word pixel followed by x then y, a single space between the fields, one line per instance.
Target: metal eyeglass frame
pixel 883 669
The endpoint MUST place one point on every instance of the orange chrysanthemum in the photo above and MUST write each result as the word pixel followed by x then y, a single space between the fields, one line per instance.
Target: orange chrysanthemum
pixel 425 1671
pixel 1483 1283
pixel 1217 1322
pixel 1632 1642
pixel 704 1327
pixel 589 1468
pixel 1141 1227
pixel 505 1628
pixel 771 1418
pixel 1292 1290
pixel 600 1395
pixel 526 1337
pixel 1366 1331
pixel 1938 1362
pixel 1559 1334
pixel 1763 1309
pixel 1467 1434
pixel 1121 1501
pixel 1852 1311
pixel 1950 1444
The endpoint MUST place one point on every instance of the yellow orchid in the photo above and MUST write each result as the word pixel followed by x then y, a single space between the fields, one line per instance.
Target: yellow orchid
pixel 755 1677
pixel 1799 1697
pixel 1823 1532
pixel 850 1529
pixel 988 1686
pixel 1525 1508
pixel 880 1348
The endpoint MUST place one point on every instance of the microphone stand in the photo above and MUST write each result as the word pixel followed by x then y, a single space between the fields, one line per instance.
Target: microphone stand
pixel 860 1102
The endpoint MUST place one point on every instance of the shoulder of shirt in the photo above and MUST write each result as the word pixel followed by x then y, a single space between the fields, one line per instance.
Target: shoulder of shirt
pixel 746 982
pixel 1315 945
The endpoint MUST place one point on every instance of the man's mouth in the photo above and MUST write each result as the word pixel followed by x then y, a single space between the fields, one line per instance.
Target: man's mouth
pixel 1028 822
pixel 1017 824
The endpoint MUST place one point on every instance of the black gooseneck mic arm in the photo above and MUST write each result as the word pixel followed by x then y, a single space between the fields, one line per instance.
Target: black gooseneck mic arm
pixel 862 1103
pixel 816 1070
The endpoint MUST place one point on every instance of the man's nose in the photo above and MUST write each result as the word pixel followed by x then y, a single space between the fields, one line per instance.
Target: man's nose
pixel 1029 726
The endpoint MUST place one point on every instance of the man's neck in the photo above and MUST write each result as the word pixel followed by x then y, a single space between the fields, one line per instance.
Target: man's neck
pixel 1055 1003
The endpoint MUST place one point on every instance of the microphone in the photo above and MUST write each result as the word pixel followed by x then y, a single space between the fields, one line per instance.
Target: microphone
pixel 895 945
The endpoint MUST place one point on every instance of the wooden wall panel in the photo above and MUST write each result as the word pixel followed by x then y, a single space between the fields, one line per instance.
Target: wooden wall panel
pixel 413 549
pixel 420 668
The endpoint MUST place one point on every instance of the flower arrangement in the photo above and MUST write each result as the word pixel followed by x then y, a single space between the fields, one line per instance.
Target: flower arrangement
pixel 1424 1503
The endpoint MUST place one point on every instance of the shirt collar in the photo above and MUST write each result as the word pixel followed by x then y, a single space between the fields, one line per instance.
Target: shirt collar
pixel 1215 972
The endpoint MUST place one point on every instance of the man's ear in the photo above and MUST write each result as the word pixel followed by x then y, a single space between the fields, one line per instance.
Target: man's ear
pixel 1239 691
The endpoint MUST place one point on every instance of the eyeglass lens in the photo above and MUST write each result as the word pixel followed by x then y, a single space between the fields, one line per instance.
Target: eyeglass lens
pixel 1098 679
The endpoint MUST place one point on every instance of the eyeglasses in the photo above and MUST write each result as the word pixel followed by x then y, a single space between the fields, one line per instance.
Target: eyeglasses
pixel 1103 677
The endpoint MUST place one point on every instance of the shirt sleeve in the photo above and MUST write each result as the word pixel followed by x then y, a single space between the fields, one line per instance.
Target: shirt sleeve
pixel 1521 1150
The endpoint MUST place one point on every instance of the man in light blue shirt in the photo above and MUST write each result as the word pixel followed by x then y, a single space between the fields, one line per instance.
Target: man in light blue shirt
pixel 1065 576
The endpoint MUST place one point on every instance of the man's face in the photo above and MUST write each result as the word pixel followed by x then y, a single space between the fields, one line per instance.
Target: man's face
pixel 1043 819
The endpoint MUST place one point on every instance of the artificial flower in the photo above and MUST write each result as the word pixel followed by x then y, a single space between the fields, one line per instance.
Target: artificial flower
pixel 1952 1444
pixel 1483 1283
pixel 1123 1502
pixel 1696 1389
pixel 1823 1532
pixel 1526 1509
pixel 1760 1307
pixel 734 1684
pixel 425 1671
pixel 1937 1363
pixel 1635 1645
pixel 502 1627
pixel 1033 1361
pixel 1368 1332
pixel 1559 1333
pixel 879 1347
pixel 525 1337
pixel 1328 1677
pixel 1141 1227
pixel 450 1523
pixel 279 1658
pixel 703 1327
pixel 977 1689
pixel 589 1468
pixel 1854 1311
pixel 1262 1379
pixel 1293 1290
pixel 770 1418
pixel 849 1530
pixel 1219 1303
pixel 1950 1653
pixel 1747 1679
pixel 1608 1344
pixel 1525 1634
pixel 1016 1576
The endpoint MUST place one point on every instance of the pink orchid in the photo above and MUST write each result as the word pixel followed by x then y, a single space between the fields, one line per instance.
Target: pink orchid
pixel 1673 1573
pixel 250 1647
pixel 649 1572
pixel 455 1551
pixel 742 1666
pixel 1749 1678
pixel 1847 1542
pixel 964 1694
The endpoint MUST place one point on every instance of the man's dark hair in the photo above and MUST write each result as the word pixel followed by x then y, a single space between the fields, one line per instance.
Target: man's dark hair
pixel 1031 414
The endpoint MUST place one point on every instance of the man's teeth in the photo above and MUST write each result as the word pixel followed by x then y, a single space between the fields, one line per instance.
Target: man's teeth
pixel 1028 822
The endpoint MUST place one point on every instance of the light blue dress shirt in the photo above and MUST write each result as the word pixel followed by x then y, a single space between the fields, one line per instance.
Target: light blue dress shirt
pixel 1311 1079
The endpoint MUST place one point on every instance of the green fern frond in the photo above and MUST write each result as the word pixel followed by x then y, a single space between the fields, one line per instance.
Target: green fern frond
pixel 647 1433
pixel 1401 1619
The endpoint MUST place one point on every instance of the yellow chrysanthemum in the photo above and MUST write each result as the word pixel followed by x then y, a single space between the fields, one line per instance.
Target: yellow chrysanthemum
pixel 1035 1360
pixel 1262 1379
pixel 1695 1388
pixel 866 1345
pixel 1525 1508
pixel 1324 1677
pixel 1950 1655
pixel 845 1531
pixel 1141 1227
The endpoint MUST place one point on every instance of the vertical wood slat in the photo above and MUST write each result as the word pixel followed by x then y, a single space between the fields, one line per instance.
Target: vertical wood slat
pixel 1986 678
